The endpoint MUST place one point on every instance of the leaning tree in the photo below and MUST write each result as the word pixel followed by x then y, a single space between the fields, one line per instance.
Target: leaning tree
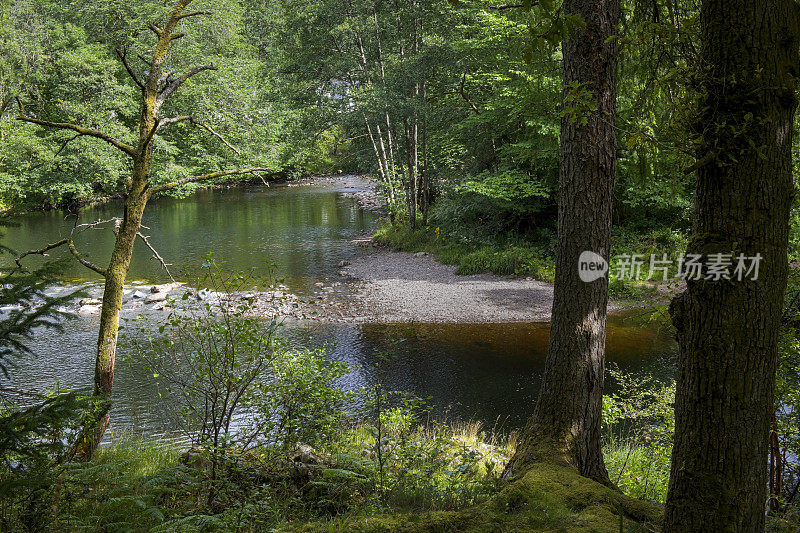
pixel 156 85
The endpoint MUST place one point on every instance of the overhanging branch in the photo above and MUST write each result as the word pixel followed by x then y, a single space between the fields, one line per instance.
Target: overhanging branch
pixel 194 14
pixel 123 56
pixel 78 129
pixel 206 177
pixel 85 262
pixel 41 251
pixel 165 122
pixel 61 149
pixel 189 118
pixel 70 245
pixel 155 29
pixel 156 255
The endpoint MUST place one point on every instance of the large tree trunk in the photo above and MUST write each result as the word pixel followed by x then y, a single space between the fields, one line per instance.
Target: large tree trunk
pixel 138 193
pixel 727 330
pixel 566 423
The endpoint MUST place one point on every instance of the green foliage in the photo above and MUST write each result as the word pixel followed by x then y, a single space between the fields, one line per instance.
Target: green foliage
pixel 240 386
pixel 152 485
pixel 214 355
pixel 27 306
pixel 516 260
pixel 548 497
pixel 302 402
pixel 509 186
pixel 493 99
pixel 60 59
pixel 36 427
pixel 638 424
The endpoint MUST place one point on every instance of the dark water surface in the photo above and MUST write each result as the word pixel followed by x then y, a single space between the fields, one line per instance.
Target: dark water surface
pixel 487 372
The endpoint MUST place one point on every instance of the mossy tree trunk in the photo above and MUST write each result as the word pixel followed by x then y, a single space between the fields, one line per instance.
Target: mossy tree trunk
pixel 156 88
pixel 727 329
pixel 566 423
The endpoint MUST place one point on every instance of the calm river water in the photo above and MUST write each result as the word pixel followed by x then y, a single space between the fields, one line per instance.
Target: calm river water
pixel 487 372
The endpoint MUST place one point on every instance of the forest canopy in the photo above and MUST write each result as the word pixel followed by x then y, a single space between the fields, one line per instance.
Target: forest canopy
pixel 304 87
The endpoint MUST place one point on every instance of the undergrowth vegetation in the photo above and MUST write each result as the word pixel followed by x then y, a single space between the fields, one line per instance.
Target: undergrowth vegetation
pixel 142 485
pixel 473 249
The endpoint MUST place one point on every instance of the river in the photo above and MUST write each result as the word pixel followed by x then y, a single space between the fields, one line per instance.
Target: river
pixel 486 372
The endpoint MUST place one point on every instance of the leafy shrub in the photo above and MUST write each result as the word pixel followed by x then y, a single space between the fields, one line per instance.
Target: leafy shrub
pixel 215 355
pixel 301 402
pixel 639 424
pixel 471 217
pixel 240 387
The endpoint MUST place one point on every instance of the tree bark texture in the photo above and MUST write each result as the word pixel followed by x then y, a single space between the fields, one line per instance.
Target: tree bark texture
pixel 727 330
pixel 566 423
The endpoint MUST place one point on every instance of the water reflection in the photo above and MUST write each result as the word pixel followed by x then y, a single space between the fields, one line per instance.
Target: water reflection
pixel 487 372
pixel 302 231
pixel 476 371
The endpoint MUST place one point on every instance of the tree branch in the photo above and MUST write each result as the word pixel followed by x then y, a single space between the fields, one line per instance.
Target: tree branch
pixel 165 76
pixel 205 177
pixel 123 56
pixel 464 95
pixel 130 150
pixel 194 14
pixel 155 29
pixel 215 134
pixel 509 6
pixel 173 120
pixel 70 244
pixel 171 87
pixel 156 255
pixel 145 61
pixel 88 264
pixel 710 156
pixel 61 149
pixel 183 118
pixel 41 251
pixel 150 136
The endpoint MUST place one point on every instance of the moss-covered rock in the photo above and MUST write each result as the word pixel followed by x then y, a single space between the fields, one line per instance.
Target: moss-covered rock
pixel 547 498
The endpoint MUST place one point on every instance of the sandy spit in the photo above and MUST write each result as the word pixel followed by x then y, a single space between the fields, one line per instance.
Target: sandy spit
pixel 404 287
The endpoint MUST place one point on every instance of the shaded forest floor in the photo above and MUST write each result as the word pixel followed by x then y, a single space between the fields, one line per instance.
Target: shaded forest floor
pixel 428 478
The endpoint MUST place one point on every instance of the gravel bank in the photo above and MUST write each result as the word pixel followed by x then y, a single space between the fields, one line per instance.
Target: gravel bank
pixel 404 287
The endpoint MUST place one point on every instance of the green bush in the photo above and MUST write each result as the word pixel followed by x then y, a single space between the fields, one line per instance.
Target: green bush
pixel 638 424
pixel 514 260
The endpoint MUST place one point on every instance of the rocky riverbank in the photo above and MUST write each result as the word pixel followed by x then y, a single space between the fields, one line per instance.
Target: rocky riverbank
pixel 377 285
pixel 355 186
pixel 390 286
pixel 140 298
